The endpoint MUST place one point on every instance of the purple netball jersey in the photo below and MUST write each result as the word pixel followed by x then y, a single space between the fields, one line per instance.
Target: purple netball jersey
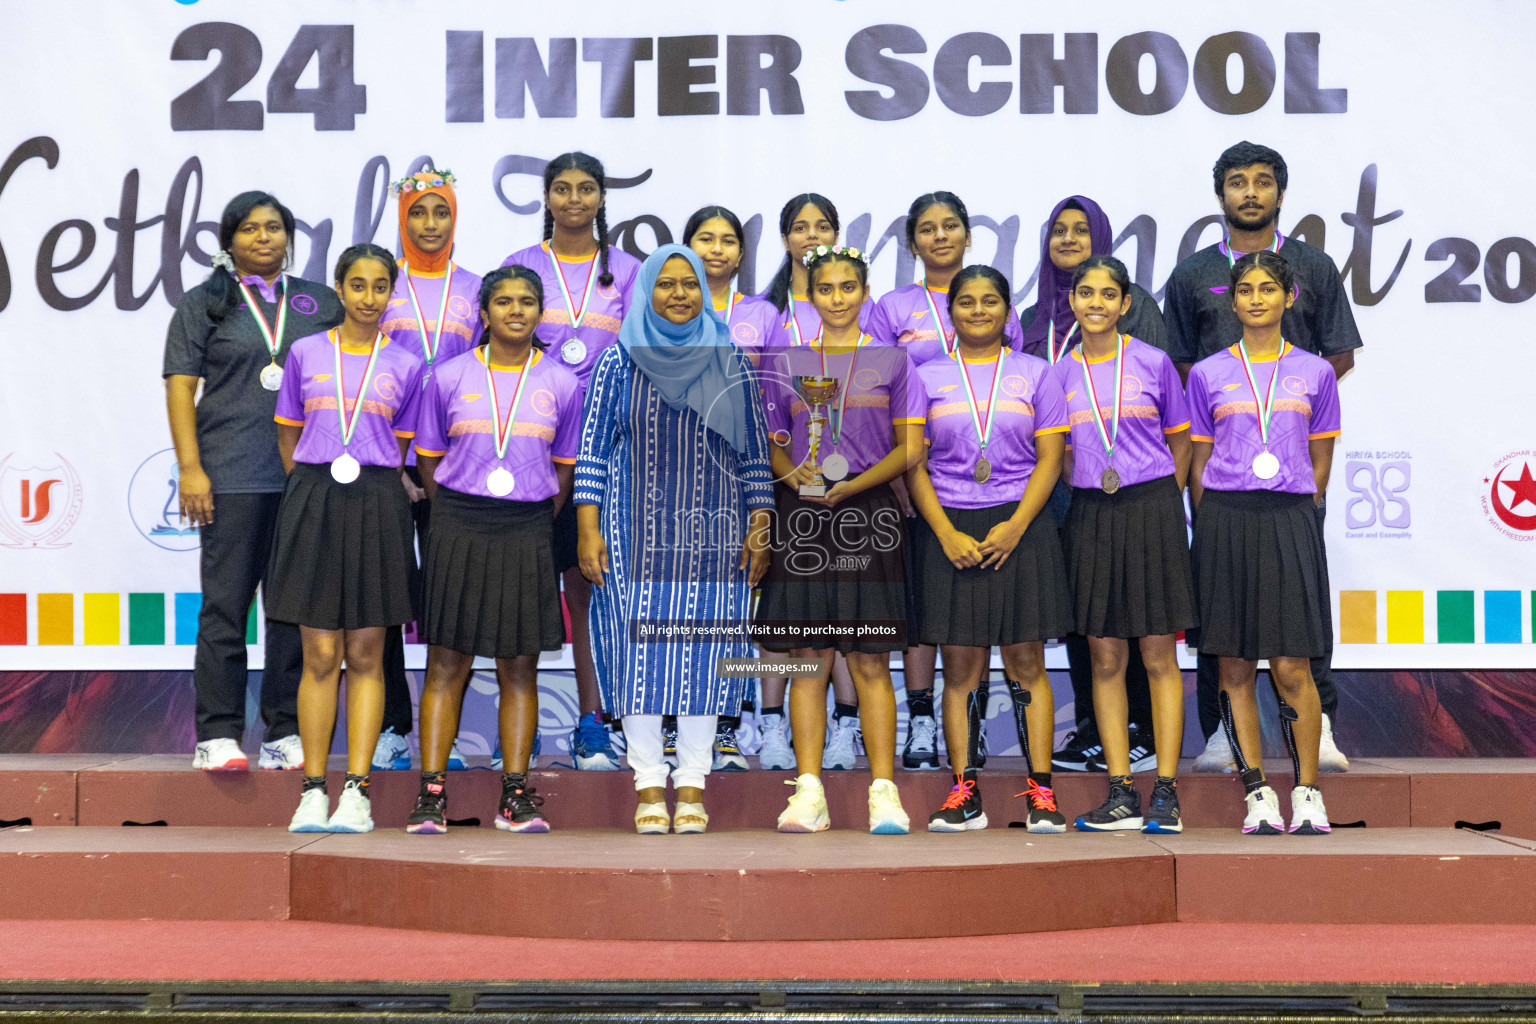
pixel 457 425
pixel 1029 404
pixel 903 317
pixel 1151 406
pixel 877 400
pixel 1222 410
pixel 604 311
pixel 389 407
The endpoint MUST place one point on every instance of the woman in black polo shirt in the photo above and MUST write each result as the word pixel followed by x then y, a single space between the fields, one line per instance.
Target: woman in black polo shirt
pixel 231 335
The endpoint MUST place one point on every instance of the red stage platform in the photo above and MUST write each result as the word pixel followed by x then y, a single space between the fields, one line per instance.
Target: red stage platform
pixel 225 856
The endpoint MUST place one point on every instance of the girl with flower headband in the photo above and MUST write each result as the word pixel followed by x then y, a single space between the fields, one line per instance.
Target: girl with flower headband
pixel 587 284
pixel 231 336
pixel 839 535
pixel 434 312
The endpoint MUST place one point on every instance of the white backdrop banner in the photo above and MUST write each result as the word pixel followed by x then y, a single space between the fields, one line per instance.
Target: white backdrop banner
pixel 128 126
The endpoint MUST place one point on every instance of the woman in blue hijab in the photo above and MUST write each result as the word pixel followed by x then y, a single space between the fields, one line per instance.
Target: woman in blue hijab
pixel 673 493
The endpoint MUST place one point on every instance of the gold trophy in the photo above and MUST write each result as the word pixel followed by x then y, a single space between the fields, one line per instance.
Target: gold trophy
pixel 818 393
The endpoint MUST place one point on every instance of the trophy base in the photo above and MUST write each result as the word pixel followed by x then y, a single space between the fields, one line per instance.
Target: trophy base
pixel 813 490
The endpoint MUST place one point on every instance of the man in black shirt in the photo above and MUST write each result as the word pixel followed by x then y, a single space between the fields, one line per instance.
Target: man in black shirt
pixel 1250 182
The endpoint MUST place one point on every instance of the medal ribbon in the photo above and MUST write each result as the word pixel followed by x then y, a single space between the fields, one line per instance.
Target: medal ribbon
pixel 442 313
pixel 348 427
pixel 794 323
pixel 577 315
pixel 1066 341
pixel 1232 260
pixel 938 325
pixel 1266 406
pixel 983 426
pixel 273 338
pixel 842 399
pixel 1107 436
pixel 504 434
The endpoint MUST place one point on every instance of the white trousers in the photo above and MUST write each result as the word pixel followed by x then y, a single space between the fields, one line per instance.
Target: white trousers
pixel 695 750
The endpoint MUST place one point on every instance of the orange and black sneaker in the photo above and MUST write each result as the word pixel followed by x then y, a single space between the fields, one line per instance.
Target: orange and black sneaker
pixel 961 811
pixel 1043 815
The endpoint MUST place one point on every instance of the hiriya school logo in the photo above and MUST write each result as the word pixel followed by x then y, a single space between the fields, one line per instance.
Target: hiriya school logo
pixel 40 501
pixel 1014 386
pixel 1295 385
pixel 154 503
pixel 305 304
pixel 1510 499
pixel 543 403
pixel 1378 507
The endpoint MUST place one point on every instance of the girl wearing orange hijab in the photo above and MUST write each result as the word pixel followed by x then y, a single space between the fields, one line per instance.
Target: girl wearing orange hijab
pixel 435 313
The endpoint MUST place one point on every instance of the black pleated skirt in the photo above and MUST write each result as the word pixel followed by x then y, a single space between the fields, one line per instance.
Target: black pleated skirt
pixel 1025 600
pixel 564 538
pixel 489 577
pixel 1128 561
pixel 345 554
pixel 1261 575
pixel 845 567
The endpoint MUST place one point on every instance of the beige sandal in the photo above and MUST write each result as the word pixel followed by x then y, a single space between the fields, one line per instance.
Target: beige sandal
pixel 696 820
pixel 652 819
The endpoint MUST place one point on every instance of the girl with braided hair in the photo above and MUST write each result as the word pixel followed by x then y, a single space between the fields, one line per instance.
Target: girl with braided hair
pixel 588 284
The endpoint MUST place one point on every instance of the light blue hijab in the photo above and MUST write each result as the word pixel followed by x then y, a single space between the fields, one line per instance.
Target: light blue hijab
pixel 694 365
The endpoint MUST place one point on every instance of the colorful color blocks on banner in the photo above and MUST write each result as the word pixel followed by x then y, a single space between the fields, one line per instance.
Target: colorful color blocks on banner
pixel 146 620
pixel 1501 616
pixel 187 607
pixel 1454 617
pixel 13 619
pixel 103 620
pixel 55 619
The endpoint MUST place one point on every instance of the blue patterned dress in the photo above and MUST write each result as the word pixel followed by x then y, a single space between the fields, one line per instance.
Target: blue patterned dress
pixel 674 500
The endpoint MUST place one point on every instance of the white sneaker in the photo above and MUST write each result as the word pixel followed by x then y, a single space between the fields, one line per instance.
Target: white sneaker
pixel 807 810
pixel 838 754
pixel 1263 813
pixel 886 815
pixel 1217 755
pixel 456 762
pixel 392 752
pixel 286 754
pixel 220 756
pixel 1308 815
pixel 1329 757
pixel 313 814
pixel 354 811
pixel 921 751
pixel 775 754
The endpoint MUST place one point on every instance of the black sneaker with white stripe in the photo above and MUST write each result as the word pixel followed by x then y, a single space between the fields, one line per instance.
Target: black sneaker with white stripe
pixel 1079 752
pixel 1143 756
pixel 1120 813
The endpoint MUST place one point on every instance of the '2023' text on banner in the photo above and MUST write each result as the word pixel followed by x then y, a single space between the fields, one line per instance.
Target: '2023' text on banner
pixel 122 143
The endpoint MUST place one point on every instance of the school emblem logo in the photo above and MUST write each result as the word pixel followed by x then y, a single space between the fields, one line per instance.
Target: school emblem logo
pixel 459 307
pixel 744 334
pixel 40 501
pixel 543 403
pixel 867 379
pixel 1295 385
pixel 1014 386
pixel 305 304
pixel 154 503
pixel 1510 501
pixel 386 387
pixel 1130 388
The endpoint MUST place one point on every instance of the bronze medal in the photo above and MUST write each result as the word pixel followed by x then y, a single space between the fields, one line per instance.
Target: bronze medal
pixel 1109 480
pixel 983 470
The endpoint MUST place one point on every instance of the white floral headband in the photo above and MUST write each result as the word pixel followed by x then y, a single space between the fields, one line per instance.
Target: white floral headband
pixel 822 252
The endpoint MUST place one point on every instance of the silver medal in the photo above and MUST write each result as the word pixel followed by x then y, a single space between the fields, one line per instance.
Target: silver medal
pixel 344 468
pixel 499 482
pixel 574 351
pixel 271 376
pixel 1265 466
pixel 835 468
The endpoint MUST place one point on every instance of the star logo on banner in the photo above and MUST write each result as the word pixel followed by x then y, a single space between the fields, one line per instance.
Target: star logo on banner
pixel 1511 500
